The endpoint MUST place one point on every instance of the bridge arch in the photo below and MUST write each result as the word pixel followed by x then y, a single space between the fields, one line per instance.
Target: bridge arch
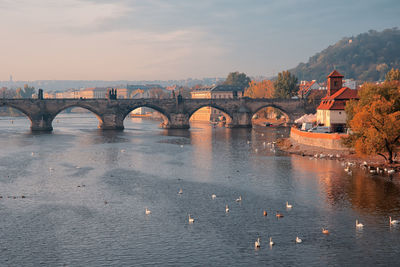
pixel 80 105
pixel 258 109
pixel 228 116
pixel 17 107
pixel 164 115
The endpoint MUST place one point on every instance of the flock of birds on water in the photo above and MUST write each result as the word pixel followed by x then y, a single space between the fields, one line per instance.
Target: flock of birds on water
pixel 257 243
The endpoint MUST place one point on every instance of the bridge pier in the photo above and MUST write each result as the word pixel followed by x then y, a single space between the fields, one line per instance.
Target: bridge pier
pixel 111 122
pixel 177 121
pixel 240 120
pixel 41 122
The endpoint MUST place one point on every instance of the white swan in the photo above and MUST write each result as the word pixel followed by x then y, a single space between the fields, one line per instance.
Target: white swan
pixel 325 231
pixel 359 225
pixel 147 211
pixel 213 196
pixel 180 192
pixel 298 240
pixel 239 199
pixel 288 206
pixel 226 209
pixel 191 220
pixel 257 244
pixel 271 243
pixel 391 171
pixel 392 222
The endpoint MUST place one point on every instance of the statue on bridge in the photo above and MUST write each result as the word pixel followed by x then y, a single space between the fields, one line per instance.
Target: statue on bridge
pixel 112 94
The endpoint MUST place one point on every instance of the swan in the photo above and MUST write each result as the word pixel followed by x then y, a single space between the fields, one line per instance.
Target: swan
pixel 279 215
pixel 239 199
pixel 256 150
pixel 359 225
pixel 325 231
pixel 147 211
pixel 213 196
pixel 391 171
pixel 298 240
pixel 191 220
pixel 180 192
pixel 392 222
pixel 226 209
pixel 265 213
pixel 271 243
pixel 257 244
pixel 288 206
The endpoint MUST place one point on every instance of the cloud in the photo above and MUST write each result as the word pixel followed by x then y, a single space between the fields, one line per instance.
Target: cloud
pixel 175 38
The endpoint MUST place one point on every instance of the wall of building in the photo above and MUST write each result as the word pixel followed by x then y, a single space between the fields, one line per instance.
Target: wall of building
pixel 323 140
pixel 329 117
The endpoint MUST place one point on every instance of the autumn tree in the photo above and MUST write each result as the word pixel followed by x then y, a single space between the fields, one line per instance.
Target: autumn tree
pixel 26 92
pixel 262 89
pixel 375 120
pixel 285 85
pixel 237 79
pixel 158 93
pixel 393 75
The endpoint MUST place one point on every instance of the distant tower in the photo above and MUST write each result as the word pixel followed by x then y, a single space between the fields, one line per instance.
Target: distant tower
pixel 11 80
pixel 334 82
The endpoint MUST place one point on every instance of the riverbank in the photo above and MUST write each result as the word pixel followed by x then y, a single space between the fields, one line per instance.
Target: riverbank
pixel 374 164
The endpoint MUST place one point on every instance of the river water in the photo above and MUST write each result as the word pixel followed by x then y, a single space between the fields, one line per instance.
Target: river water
pixel 86 192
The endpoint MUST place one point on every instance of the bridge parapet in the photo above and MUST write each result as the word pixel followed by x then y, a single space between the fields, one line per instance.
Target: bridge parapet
pixel 176 114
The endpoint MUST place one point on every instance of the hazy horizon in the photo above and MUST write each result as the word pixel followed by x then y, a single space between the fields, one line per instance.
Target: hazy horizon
pixel 174 40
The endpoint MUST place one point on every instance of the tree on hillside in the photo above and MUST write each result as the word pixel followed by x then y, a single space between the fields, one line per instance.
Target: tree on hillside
pixel 263 89
pixel 237 79
pixel 374 120
pixel 366 57
pixel 285 85
pixel 393 75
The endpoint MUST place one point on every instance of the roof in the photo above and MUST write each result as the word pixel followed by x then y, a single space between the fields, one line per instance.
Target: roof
pixel 338 100
pixel 305 88
pixel 335 73
pixel 226 88
pixel 343 94
pixel 95 89
pixel 202 89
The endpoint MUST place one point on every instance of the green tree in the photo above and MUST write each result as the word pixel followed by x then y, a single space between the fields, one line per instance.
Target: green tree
pixel 237 79
pixel 285 85
pixel 393 75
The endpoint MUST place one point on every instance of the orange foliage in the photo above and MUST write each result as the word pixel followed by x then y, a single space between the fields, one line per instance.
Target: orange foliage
pixel 263 89
pixel 376 121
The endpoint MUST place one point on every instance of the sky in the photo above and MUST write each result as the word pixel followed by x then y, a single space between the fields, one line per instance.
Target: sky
pixel 175 39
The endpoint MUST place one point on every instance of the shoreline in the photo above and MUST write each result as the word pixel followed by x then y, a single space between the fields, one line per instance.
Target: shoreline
pixel 375 164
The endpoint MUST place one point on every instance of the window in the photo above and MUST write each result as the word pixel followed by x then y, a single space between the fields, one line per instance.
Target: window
pixel 335 83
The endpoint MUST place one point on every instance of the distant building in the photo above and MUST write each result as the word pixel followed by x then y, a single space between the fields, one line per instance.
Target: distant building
pixel 94 92
pixel 306 87
pixel 352 84
pixel 215 92
pixel 331 111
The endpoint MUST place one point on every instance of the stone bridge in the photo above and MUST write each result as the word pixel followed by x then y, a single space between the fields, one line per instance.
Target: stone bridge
pixel 176 112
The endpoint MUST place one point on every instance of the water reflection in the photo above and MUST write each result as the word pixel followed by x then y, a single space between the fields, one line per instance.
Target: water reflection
pixel 366 193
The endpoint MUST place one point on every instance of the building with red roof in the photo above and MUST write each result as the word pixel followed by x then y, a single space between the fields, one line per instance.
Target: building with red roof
pixel 306 87
pixel 331 111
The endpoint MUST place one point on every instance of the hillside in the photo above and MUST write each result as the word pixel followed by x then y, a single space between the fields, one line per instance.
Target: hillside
pixel 366 57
